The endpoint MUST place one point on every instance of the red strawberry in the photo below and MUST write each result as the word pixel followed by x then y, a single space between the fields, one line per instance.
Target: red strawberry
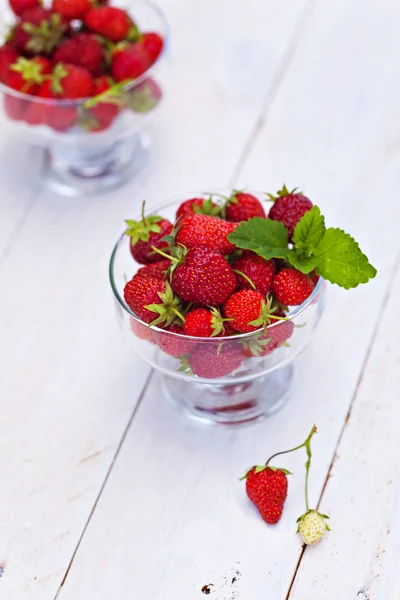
pixel 72 9
pixel 152 301
pixel 206 231
pixel 39 31
pixel 8 56
pixel 147 233
pixel 244 308
pixel 15 107
pixel 72 82
pixel 203 277
pixel 83 50
pixel 173 344
pixel 256 269
pixel 212 361
pixel 291 287
pixel 27 75
pixel 204 322
pixel 129 63
pixel 153 44
pixel 143 332
pixel 267 489
pixel 111 22
pixel 288 208
pixel 100 116
pixel 241 207
pixel 199 206
pixel 21 6
pixel 155 270
pixel 102 84
pixel 58 117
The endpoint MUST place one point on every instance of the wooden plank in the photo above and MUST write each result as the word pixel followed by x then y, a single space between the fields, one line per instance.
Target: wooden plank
pixel 71 385
pixel 183 520
pixel 359 558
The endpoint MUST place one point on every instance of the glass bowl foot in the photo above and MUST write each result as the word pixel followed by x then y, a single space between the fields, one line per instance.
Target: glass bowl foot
pixel 88 171
pixel 234 404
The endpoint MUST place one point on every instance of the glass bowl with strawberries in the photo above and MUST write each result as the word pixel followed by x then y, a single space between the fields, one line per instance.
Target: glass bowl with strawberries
pixel 220 292
pixel 82 82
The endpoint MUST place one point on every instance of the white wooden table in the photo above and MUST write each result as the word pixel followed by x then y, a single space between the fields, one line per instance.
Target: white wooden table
pixel 105 492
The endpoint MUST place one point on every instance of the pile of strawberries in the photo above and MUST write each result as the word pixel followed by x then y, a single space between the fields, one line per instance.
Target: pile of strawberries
pixel 196 282
pixel 77 49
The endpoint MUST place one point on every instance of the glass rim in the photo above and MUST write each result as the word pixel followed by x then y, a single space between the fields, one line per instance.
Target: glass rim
pixel 5 89
pixel 240 336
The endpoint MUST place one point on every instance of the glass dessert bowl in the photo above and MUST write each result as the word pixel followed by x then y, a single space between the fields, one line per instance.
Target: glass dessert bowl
pixel 229 379
pixel 91 145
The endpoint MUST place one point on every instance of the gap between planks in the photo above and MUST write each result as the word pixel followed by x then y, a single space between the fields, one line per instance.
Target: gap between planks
pixel 353 399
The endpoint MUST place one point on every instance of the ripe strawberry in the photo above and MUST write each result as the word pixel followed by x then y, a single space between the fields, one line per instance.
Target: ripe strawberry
pixel 155 270
pixel 270 339
pixel 199 206
pixel 129 63
pixel 206 231
pixel 245 308
pixel 21 6
pixel 153 44
pixel 38 32
pixel 59 118
pixel 203 277
pixel 291 287
pixel 102 84
pixel 241 207
pixel 143 332
pixel 145 234
pixel 72 82
pixel 83 50
pixel 27 75
pixel 257 269
pixel 173 344
pixel 288 208
pixel 72 9
pixel 102 114
pixel 152 301
pixel 111 22
pixel 267 489
pixel 212 361
pixel 8 56
pixel 312 526
pixel 204 322
pixel 15 107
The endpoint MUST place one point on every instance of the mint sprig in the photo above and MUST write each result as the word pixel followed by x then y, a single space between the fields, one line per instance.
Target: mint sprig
pixel 334 254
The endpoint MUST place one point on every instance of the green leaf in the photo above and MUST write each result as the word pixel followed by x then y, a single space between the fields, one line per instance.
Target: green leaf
pixel 304 264
pixel 265 237
pixel 309 231
pixel 341 261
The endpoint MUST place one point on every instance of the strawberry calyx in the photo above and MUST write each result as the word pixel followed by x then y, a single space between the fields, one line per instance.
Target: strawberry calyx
pixel 259 468
pixel 169 311
pixel 134 34
pixel 30 70
pixel 185 365
pixel 113 95
pixel 217 321
pixel 45 36
pixel 282 193
pixel 256 345
pixel 311 510
pixel 208 207
pixel 267 316
pixel 141 230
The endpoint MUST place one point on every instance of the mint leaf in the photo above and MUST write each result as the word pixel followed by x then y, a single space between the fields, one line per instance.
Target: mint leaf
pixel 309 231
pixel 265 237
pixel 305 264
pixel 341 261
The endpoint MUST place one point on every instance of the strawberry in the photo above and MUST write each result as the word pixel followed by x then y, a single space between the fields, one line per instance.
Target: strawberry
pixel 143 332
pixel 38 32
pixel 204 322
pixel 199 206
pixel 15 107
pixel 312 527
pixel 153 44
pixel 257 271
pixel 72 9
pixel 203 276
pixel 129 62
pixel 269 340
pixel 146 234
pixel 143 97
pixel 111 22
pixel 152 301
pixel 267 489
pixel 241 207
pixel 291 287
pixel 8 56
pixel 288 208
pixel 155 270
pixel 27 75
pixel 83 50
pixel 102 84
pixel 72 82
pixel 173 344
pixel 21 6
pixel 102 114
pixel 245 309
pixel 58 117
pixel 206 231
pixel 212 361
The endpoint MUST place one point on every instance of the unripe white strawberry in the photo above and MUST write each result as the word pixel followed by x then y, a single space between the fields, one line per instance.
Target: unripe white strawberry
pixel 312 526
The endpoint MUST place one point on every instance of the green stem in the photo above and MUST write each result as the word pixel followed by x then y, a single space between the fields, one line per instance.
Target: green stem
pixel 249 281
pixel 305 444
pixel 172 258
pixel 308 463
